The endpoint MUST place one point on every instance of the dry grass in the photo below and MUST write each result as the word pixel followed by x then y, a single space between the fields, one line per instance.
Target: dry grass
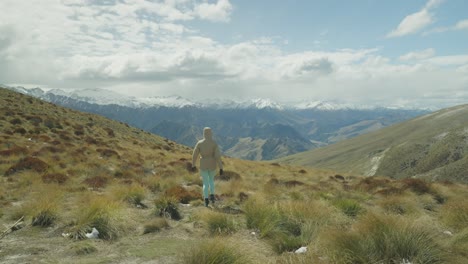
pixel 340 218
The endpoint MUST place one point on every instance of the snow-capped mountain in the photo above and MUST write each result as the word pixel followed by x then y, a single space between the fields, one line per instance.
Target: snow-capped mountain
pixel 107 97
pixel 248 129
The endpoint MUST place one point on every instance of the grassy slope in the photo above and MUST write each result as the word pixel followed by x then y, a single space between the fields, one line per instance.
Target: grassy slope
pixel 433 145
pixel 95 169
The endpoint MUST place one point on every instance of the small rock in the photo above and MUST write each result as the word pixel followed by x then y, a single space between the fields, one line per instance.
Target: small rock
pixel 93 234
pixel 67 235
pixel 448 233
pixel 405 261
pixel 301 250
pixel 253 233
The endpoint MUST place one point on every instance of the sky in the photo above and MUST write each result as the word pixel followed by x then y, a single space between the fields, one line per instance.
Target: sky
pixel 393 53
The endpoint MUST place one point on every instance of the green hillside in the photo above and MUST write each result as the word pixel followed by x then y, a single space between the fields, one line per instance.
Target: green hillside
pixel 434 146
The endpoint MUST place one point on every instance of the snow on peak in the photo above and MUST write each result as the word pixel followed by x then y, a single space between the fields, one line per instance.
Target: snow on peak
pixel 167 101
pixel 262 103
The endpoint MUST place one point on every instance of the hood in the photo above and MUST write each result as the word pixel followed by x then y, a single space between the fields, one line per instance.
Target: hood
pixel 207 133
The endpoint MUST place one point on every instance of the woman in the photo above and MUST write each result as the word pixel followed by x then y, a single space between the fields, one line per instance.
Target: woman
pixel 210 158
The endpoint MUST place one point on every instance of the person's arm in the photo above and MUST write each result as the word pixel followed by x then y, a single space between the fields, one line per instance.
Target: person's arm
pixel 218 160
pixel 195 154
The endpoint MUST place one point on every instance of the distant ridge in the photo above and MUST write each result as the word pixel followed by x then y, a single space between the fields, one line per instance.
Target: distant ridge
pixel 433 146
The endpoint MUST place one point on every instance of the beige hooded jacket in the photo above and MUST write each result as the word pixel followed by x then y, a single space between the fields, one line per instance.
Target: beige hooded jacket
pixel 209 152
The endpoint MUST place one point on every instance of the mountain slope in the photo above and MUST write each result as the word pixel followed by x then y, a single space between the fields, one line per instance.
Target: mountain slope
pixel 256 130
pixel 433 146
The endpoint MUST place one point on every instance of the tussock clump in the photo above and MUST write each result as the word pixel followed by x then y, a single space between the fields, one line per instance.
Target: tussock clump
pixel 229 175
pixel 218 223
pixel 167 206
pixel 44 206
pixel 183 195
pixel 108 153
pixel 349 207
pixel 99 212
pixel 28 163
pixel 372 183
pixel 83 248
pixel 155 225
pixel 96 182
pixel 455 214
pixel 58 178
pixel 382 239
pixel 133 194
pixel 13 151
pixel 217 251
pixel 417 186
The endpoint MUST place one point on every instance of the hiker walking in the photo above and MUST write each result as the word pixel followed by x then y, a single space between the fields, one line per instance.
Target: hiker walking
pixel 210 158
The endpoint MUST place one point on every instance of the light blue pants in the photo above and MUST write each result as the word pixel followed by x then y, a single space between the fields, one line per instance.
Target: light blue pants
pixel 208 182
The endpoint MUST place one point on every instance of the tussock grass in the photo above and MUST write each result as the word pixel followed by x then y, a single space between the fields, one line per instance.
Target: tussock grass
pixel 155 225
pixel 83 248
pixel 382 239
pixel 401 205
pixel 349 207
pixel 216 251
pixel 218 223
pixel 262 216
pixel 133 194
pixel 167 206
pixel 99 212
pixel 43 208
pixel 455 214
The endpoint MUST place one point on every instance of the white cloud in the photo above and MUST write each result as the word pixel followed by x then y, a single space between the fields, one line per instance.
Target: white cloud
pixel 463 24
pixel 219 11
pixel 417 21
pixel 412 24
pixel 418 55
pixel 146 48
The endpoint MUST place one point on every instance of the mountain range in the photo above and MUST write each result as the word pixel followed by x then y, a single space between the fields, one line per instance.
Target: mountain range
pixel 432 146
pixel 258 129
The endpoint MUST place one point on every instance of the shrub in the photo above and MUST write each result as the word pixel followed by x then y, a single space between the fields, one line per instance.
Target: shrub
pixel 167 207
pixel 215 251
pixel 96 182
pixel 376 239
pixel 155 225
pixel 418 186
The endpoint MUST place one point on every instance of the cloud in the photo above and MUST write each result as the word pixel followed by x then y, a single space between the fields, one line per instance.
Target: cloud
pixel 418 55
pixel 220 11
pixel 417 21
pixel 461 25
pixel 412 24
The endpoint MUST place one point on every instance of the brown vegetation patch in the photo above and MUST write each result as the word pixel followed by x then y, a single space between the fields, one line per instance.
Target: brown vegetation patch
pixel 13 151
pixel 108 153
pixel 35 120
pixel 273 181
pixel 182 194
pixel 275 164
pixel 109 131
pixel 16 121
pixel 229 175
pixel 372 183
pixel 390 191
pixel 59 178
pixel 302 171
pixel 91 140
pixel 293 183
pixel 96 182
pixel 28 163
pixel 20 130
pixel 418 186
pixel 242 196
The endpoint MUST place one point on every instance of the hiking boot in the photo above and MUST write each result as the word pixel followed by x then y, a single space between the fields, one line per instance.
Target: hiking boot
pixel 212 198
pixel 207 202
